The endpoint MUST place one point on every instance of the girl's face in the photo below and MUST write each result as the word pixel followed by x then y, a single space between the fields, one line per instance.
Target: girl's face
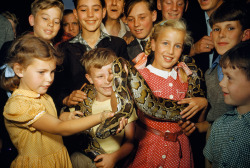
pixel 140 20
pixel 90 14
pixel 38 76
pixel 114 8
pixel 171 9
pixel 100 77
pixel 168 48
pixel 226 35
pixel 46 23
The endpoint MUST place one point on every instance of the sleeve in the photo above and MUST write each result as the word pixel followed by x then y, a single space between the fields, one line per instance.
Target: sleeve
pixel 208 150
pixel 23 113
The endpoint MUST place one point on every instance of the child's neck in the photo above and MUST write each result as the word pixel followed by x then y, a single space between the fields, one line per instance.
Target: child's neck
pixel 91 37
pixel 243 109
pixel 112 26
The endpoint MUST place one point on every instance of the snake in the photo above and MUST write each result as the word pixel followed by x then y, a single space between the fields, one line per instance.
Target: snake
pixel 132 90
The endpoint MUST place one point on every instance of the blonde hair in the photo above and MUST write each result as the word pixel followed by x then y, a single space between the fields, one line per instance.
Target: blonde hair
pixel 174 24
pixel 38 5
pixel 97 58
pixel 23 51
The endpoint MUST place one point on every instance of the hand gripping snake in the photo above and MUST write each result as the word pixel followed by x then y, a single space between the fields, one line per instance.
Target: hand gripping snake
pixel 130 88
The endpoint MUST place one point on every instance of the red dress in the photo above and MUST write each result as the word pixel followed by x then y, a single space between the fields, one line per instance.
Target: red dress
pixel 153 151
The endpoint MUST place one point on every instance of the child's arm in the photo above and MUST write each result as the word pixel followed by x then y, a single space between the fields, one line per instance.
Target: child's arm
pixel 195 105
pixel 53 125
pixel 110 160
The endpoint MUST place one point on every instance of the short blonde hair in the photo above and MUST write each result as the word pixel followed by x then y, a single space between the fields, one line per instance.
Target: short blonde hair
pixel 97 58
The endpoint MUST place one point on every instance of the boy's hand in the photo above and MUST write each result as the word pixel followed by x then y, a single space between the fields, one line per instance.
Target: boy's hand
pixel 74 98
pixel 105 161
pixel 195 105
pixel 187 127
pixel 205 44
pixel 123 123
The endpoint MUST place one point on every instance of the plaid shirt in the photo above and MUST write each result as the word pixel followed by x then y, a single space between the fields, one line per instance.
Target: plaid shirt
pixel 229 142
pixel 79 39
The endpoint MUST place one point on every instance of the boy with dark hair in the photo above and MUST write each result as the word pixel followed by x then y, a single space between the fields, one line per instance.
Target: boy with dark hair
pixel 228 144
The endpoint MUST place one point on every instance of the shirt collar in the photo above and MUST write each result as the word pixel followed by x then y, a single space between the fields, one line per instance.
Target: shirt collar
pixel 216 62
pixel 27 93
pixel 162 73
pixel 122 31
pixel 235 112
pixel 209 29
pixel 79 39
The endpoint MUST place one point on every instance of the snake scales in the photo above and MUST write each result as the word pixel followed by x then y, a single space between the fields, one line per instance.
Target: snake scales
pixel 130 88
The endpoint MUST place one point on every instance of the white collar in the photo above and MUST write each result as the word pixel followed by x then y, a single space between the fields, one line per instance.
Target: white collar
pixel 122 31
pixel 161 73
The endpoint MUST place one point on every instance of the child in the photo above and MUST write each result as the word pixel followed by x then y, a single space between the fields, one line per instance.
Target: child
pixel 113 25
pixel 140 17
pixel 89 14
pixel 167 41
pixel 97 63
pixel 70 27
pixel 45 18
pixel 30 114
pixel 228 144
pixel 172 9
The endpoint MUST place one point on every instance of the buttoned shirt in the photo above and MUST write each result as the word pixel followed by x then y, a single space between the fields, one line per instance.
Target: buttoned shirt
pixel 229 142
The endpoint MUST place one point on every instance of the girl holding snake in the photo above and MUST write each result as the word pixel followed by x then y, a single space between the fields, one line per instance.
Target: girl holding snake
pixel 162 143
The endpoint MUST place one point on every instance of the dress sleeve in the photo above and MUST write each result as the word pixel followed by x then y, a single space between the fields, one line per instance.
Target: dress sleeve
pixel 23 112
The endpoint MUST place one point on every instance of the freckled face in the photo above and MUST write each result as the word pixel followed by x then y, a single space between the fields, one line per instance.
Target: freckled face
pixel 168 48
pixel 140 20
pixel 101 80
pixel 46 23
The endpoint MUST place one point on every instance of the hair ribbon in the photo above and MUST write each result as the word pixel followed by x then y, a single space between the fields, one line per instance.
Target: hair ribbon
pixel 8 71
pixel 163 22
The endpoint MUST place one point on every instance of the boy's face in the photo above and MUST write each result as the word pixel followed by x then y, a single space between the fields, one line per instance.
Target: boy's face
pixel 140 20
pixel 89 14
pixel 46 23
pixel 235 87
pixel 102 82
pixel 114 8
pixel 70 24
pixel 226 35
pixel 171 9
pixel 210 5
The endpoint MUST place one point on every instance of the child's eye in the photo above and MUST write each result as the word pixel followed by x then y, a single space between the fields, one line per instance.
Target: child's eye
pixel 57 22
pixel 216 29
pixel 96 10
pixel 41 72
pixel 165 43
pixel 180 4
pixel 178 46
pixel 45 18
pixel 83 10
pixel 75 23
pixel 130 19
pixel 65 24
pixel 143 17
pixel 231 28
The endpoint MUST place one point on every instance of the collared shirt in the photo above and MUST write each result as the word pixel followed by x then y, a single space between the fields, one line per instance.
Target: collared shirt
pixel 122 31
pixel 79 39
pixel 219 69
pixel 162 73
pixel 209 29
pixel 229 142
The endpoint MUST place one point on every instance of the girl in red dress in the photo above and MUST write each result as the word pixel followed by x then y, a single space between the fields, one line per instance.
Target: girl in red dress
pixel 161 143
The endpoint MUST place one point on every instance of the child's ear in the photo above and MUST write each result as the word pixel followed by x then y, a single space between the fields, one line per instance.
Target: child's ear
pixel 103 12
pixel 75 13
pixel 153 44
pixel 159 4
pixel 18 69
pixel 89 78
pixel 246 35
pixel 186 7
pixel 154 16
pixel 31 20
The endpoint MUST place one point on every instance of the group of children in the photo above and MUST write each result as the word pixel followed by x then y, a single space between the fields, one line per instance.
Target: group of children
pixel 31 66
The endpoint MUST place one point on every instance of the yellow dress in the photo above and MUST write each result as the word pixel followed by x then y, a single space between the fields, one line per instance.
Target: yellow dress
pixel 36 149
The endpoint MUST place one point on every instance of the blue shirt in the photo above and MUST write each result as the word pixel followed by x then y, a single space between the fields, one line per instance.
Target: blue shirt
pixel 219 69
pixel 229 142
pixel 209 29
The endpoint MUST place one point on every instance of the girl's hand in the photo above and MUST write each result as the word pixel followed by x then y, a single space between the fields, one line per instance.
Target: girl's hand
pixel 105 161
pixel 195 105
pixel 187 127
pixel 70 115
pixel 74 98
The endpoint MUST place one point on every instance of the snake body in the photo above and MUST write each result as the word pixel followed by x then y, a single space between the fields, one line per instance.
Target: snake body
pixel 130 88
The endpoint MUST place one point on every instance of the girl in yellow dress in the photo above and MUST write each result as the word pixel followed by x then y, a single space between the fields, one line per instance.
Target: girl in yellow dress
pixel 30 114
